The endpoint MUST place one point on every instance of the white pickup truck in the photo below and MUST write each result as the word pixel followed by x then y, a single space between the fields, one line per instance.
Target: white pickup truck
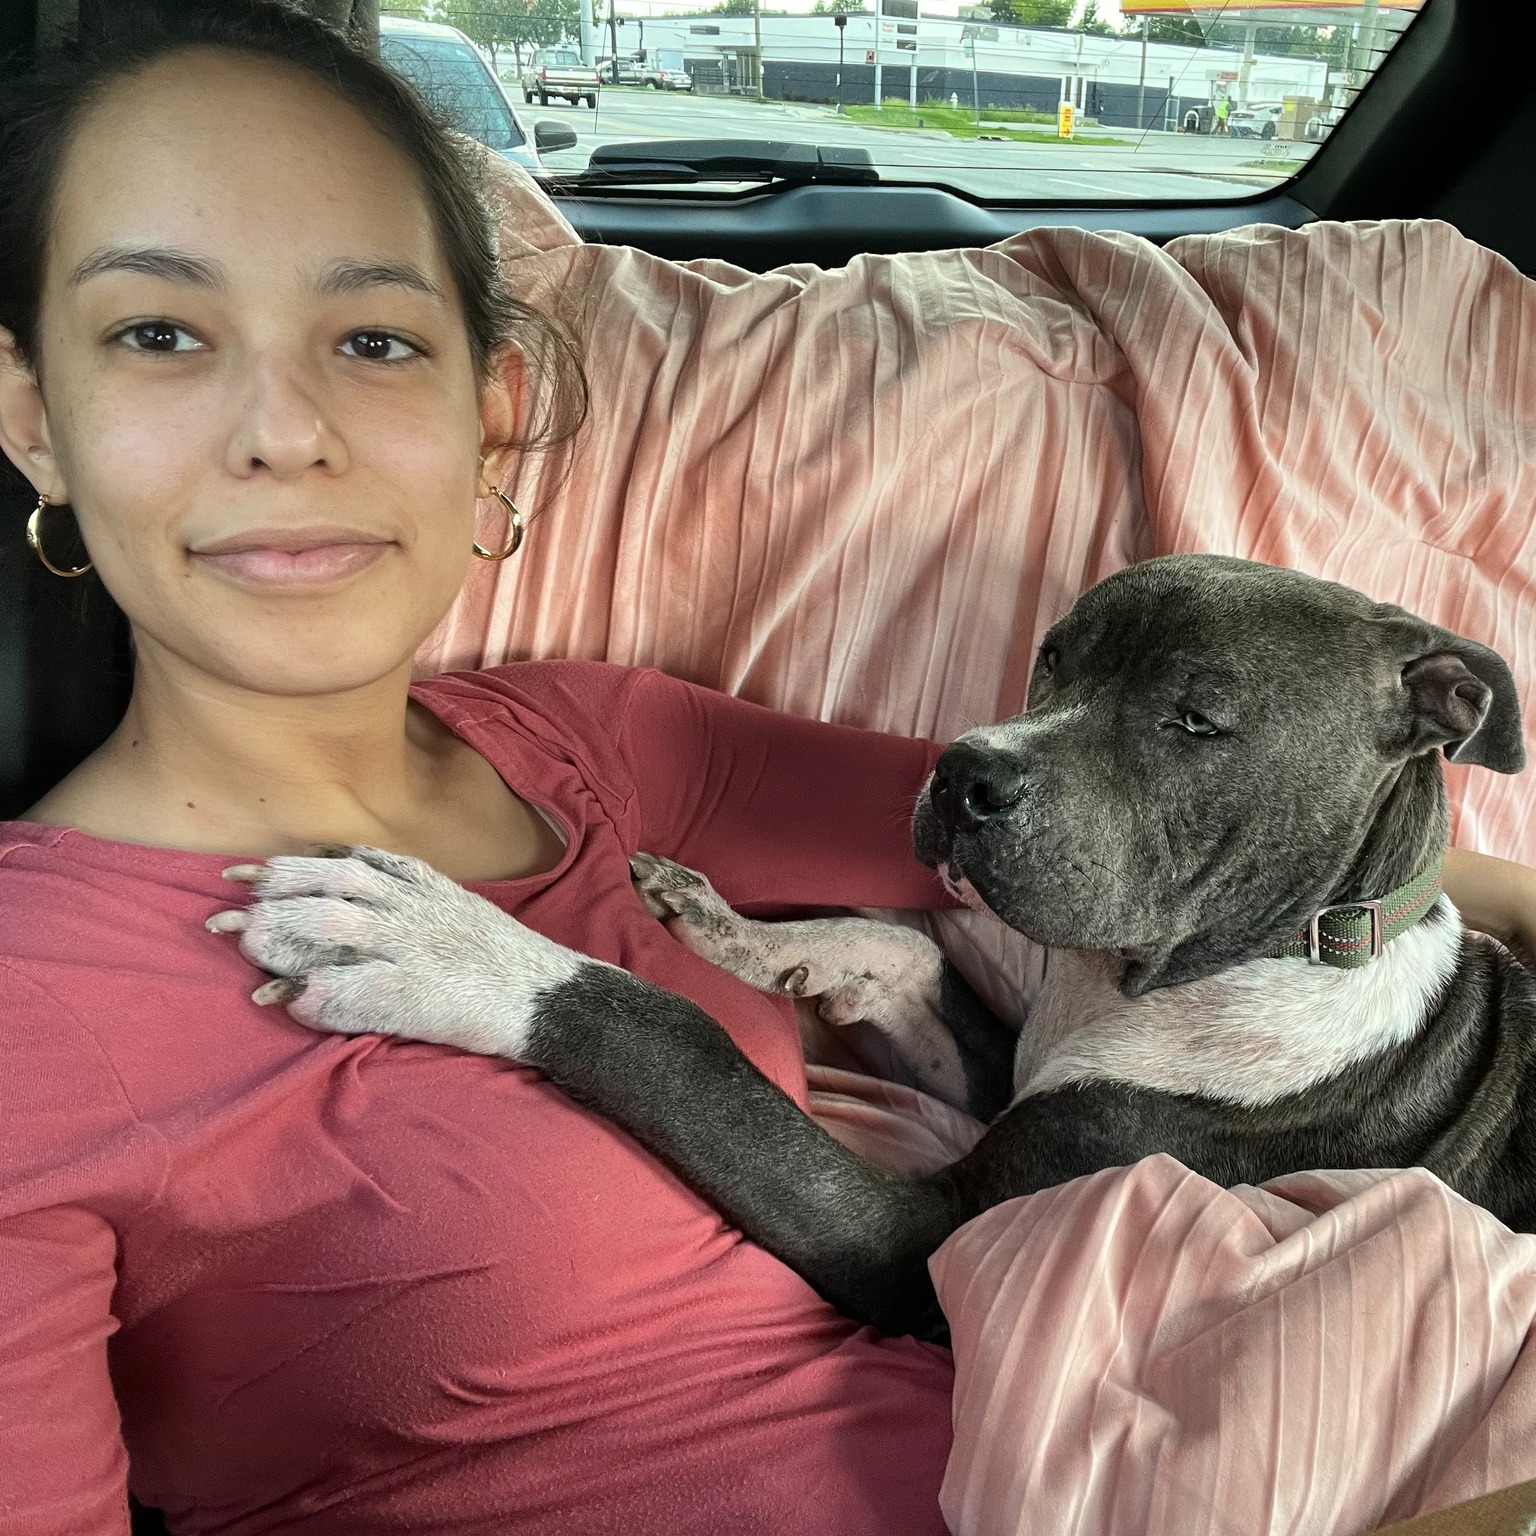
pixel 559 72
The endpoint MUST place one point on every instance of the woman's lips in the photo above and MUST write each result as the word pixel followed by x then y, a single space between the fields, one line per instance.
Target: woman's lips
pixel 302 562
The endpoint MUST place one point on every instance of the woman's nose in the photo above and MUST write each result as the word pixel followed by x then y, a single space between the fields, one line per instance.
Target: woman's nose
pixel 283 425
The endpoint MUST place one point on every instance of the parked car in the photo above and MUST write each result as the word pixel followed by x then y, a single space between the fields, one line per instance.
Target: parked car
pixel 660 78
pixel 560 72
pixel 1261 121
pixel 447 69
pixel 621 72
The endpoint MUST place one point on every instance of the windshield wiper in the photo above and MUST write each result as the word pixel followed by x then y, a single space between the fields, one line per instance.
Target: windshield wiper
pixel 691 160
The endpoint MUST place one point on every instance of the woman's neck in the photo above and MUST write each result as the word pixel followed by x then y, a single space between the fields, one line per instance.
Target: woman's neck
pixel 201 764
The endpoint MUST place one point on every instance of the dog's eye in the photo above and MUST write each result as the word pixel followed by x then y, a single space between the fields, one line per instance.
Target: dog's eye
pixel 1047 661
pixel 1195 724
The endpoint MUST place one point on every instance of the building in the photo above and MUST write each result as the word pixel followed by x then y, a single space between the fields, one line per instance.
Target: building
pixel 1120 81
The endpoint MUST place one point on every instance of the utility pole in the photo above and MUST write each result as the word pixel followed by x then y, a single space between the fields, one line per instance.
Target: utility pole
pixel 878 81
pixel 588 45
pixel 1245 69
pixel 1141 82
pixel 969 46
pixel 912 71
pixel 757 42
pixel 1365 41
pixel 613 37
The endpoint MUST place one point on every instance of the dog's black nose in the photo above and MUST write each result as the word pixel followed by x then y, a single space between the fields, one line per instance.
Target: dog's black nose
pixel 971 784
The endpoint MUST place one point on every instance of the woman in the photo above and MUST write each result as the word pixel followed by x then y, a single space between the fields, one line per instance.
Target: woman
pixel 306 1283
pixel 257 347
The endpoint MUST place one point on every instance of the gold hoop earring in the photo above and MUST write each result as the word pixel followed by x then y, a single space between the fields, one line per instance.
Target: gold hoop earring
pixel 35 540
pixel 515 526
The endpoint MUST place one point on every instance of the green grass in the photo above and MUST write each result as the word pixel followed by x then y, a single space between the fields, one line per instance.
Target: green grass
pixel 959 122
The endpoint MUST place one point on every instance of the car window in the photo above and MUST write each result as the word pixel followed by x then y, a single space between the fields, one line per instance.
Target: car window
pixel 567 56
pixel 458 83
pixel 1028 100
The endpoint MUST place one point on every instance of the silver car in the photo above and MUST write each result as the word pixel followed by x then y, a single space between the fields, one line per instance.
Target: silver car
pixel 448 71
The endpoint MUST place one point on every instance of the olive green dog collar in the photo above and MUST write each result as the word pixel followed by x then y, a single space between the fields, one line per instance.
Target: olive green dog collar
pixel 1354 933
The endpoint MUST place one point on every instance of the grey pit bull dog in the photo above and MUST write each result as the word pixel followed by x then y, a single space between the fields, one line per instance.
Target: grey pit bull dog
pixel 1224 813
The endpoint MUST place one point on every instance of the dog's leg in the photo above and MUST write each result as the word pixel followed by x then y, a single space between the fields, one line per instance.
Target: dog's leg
pixel 376 943
pixel 857 970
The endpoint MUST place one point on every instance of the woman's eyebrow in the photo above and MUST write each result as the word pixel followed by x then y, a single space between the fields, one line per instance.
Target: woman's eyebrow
pixel 172 266
pixel 150 261
pixel 341 277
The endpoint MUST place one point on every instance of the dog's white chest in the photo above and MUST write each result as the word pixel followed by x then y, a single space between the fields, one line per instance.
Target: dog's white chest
pixel 1250 1035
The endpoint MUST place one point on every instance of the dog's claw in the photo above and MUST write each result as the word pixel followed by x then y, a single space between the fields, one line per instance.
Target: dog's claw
pixel 245 874
pixel 284 989
pixel 794 982
pixel 236 920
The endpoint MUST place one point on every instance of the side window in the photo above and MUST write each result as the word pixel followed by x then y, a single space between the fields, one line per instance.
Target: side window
pixel 458 85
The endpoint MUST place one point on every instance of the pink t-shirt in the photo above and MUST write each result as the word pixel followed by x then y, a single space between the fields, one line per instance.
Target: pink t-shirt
pixel 326 1285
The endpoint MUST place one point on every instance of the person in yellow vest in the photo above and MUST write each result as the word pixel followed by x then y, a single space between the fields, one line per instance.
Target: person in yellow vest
pixel 1222 108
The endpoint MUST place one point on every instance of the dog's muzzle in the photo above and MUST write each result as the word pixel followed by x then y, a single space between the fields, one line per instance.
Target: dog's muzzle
pixel 973 784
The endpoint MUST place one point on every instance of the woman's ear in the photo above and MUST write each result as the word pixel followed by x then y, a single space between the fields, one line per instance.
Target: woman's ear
pixel 24 423
pixel 502 408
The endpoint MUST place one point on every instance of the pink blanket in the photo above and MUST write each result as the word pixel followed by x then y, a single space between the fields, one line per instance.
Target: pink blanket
pixel 863 495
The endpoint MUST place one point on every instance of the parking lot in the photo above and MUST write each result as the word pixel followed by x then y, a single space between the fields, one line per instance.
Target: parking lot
pixel 1161 165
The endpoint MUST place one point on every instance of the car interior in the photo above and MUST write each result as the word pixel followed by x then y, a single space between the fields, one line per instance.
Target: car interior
pixel 1444 129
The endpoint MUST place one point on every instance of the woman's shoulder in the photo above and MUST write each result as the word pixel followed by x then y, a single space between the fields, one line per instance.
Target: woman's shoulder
pixel 580 712
pixel 559 691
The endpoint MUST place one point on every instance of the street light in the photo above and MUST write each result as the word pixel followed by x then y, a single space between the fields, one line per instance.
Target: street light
pixel 841 23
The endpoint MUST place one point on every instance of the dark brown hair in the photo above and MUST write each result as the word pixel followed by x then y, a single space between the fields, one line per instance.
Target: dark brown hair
pixel 40 114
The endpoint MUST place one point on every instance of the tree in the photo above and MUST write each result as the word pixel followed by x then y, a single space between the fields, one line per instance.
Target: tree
pixel 1091 22
pixel 514 24
pixel 1294 41
pixel 733 8
pixel 1032 13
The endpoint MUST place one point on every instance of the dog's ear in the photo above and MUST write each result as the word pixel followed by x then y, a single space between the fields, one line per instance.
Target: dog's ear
pixel 1457 694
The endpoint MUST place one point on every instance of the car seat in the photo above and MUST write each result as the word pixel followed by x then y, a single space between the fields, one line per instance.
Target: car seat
pixel 64 663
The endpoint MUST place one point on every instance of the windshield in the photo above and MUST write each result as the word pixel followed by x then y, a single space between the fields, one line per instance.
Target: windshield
pixel 457 82
pixel 1033 100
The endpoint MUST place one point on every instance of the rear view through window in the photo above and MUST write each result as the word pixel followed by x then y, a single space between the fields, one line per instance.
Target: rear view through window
pixel 1031 100
pixel 457 82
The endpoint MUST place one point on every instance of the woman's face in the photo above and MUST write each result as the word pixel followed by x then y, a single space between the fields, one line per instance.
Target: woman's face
pixel 256 387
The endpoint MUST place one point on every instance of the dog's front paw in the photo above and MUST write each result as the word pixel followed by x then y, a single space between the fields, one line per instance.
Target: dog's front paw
pixel 681 897
pixel 372 942
pixel 698 915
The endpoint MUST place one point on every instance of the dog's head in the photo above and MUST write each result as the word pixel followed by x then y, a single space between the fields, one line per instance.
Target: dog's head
pixel 1214 750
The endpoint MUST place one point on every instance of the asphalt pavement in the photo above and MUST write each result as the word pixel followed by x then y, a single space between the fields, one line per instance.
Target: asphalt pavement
pixel 1154 165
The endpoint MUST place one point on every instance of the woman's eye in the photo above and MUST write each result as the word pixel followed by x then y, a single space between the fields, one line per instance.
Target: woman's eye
pixel 158 336
pixel 1196 724
pixel 380 347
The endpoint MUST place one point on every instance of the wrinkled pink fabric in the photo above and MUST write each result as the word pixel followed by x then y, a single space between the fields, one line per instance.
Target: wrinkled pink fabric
pixel 863 495
pixel 1143 1353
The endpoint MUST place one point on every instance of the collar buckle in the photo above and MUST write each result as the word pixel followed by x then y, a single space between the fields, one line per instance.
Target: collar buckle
pixel 1314 933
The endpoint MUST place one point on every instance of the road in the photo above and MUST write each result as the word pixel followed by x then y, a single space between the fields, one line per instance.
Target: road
pixel 1155 166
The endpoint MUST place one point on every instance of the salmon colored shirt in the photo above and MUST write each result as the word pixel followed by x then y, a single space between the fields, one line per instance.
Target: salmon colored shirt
pixel 281 1281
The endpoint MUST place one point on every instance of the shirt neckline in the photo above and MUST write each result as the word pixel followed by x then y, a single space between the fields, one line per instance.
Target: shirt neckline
pixel 464 723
